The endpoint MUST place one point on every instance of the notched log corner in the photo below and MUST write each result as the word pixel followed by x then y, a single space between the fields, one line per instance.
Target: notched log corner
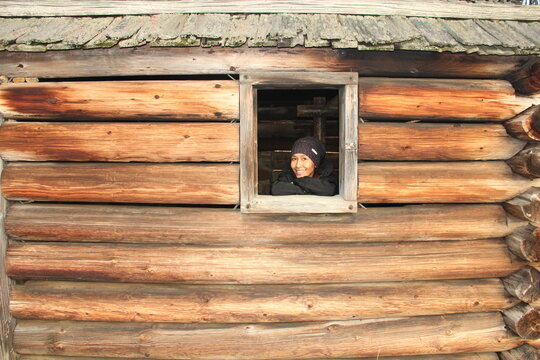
pixel 524 243
pixel 527 161
pixel 524 284
pixel 523 320
pixel 524 352
pixel 527 79
pixel 525 126
pixel 525 206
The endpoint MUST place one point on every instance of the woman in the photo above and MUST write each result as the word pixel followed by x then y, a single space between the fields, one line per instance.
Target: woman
pixel 308 172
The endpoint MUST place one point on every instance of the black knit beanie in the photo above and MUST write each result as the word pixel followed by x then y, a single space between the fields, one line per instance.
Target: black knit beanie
pixel 310 146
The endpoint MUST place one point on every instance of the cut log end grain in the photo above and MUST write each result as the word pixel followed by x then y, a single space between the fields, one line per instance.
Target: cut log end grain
pixel 525 126
pixel 524 243
pixel 523 320
pixel 527 162
pixel 525 206
pixel 524 352
pixel 524 284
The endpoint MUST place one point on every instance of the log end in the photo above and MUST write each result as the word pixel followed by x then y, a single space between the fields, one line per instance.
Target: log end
pixel 524 321
pixel 525 206
pixel 524 243
pixel 524 284
pixel 524 352
pixel 527 161
pixel 525 126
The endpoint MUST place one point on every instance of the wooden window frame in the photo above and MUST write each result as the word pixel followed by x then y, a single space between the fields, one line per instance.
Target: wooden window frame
pixel 346 200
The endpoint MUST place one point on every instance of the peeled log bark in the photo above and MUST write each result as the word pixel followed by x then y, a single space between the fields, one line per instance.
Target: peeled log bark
pixel 526 206
pixel 482 332
pixel 527 162
pixel 462 182
pixel 122 100
pixel 132 183
pixel 471 356
pixel 523 320
pixel 173 142
pixel 119 142
pixel 524 284
pixel 524 243
pixel 439 142
pixel 49 300
pixel 183 225
pixel 262 264
pixel 457 99
pixel 385 182
pixel 525 126
pixel 396 98
pixel 524 352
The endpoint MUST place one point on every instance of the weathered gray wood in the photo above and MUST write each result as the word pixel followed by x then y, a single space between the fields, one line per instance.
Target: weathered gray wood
pixel 148 60
pixel 527 161
pixel 184 225
pixel 248 144
pixel 525 126
pixel 348 142
pixel 7 323
pixel 524 284
pixel 524 243
pixel 50 300
pixel 525 206
pixel 429 8
pixel 523 320
pixel 524 352
pixel 262 264
pixel 337 339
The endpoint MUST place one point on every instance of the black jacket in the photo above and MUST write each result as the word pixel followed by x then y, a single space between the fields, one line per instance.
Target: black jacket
pixel 324 185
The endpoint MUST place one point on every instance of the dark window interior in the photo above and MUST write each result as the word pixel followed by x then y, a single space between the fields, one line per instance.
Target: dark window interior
pixel 286 115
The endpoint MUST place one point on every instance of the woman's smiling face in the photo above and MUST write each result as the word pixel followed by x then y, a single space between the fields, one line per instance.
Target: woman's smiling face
pixel 302 165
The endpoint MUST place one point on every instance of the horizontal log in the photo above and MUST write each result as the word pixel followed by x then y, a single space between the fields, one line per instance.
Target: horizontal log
pixel 182 225
pixel 168 142
pixel 396 98
pixel 121 100
pixel 488 100
pixel 440 182
pixel 147 60
pixel 469 356
pixel 524 352
pixel 132 183
pixel 49 300
pixel 152 142
pixel 482 332
pixel 385 182
pixel 416 141
pixel 262 264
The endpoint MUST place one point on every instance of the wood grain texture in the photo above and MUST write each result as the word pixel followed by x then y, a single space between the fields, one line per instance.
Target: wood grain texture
pixel 262 264
pixel 131 183
pixel 147 60
pixel 121 100
pixel 452 99
pixel 388 337
pixel 438 182
pixel 430 8
pixel 119 142
pixel 49 300
pixel 168 142
pixel 439 142
pixel 467 356
pixel 184 225
pixel 400 98
pixel 379 182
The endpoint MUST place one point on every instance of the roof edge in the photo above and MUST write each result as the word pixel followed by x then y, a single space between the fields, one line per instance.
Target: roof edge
pixel 426 8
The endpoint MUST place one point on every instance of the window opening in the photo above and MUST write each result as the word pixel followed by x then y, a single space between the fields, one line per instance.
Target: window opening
pixel 286 115
pixel 278 108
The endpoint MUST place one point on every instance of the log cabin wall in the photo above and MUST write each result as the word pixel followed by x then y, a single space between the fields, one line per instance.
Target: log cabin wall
pixel 126 243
